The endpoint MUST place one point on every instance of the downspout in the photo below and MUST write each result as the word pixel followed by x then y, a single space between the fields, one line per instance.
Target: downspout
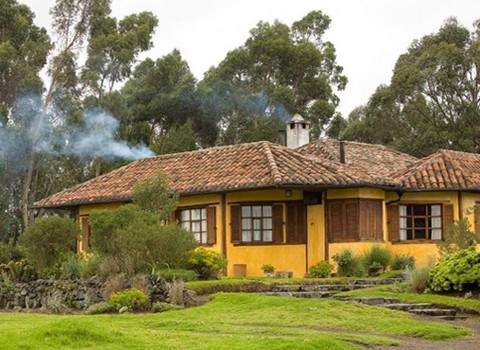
pixel 460 205
pixel 399 194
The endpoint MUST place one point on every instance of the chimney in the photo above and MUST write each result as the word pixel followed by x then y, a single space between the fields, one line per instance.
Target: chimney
pixel 298 132
pixel 342 151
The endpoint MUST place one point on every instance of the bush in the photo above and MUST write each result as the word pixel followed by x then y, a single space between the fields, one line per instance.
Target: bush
pixel 90 265
pixel 114 284
pixel 418 278
pixel 71 267
pixel 101 308
pixel 458 236
pixel 457 271
pixel 9 252
pixel 178 274
pixel 322 269
pixel 377 257
pixel 132 298
pixel 18 271
pixel 402 262
pixel 208 264
pixel 47 242
pixel 348 264
pixel 137 240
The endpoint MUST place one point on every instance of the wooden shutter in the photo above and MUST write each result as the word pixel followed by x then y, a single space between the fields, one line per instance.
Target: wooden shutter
pixel 335 221
pixel 393 223
pixel 371 219
pixel 211 225
pixel 447 217
pixel 277 223
pixel 85 233
pixel 296 223
pixel 235 223
pixel 352 220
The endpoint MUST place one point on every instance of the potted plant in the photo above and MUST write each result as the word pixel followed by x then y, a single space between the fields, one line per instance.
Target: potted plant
pixel 268 270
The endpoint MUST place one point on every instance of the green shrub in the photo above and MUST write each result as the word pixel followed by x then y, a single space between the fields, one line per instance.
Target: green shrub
pixel 162 307
pixel 9 252
pixel 178 274
pixel 457 271
pixel 90 265
pixel 153 195
pixel 377 256
pixel 18 271
pixel 101 308
pixel 402 262
pixel 132 298
pixel 349 265
pixel 322 269
pixel 458 236
pixel 137 240
pixel 268 268
pixel 47 242
pixel 418 278
pixel 71 267
pixel 208 264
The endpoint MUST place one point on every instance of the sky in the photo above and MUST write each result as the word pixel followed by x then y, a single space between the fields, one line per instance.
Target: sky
pixel 369 35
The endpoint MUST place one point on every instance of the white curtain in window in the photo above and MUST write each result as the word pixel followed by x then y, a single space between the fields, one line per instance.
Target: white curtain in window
pixel 403 222
pixel 436 222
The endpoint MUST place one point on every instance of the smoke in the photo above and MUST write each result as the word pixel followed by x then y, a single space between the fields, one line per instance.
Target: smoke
pixel 49 132
pixel 97 139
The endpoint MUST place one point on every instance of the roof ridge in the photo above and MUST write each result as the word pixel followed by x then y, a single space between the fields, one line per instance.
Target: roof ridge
pixel 272 165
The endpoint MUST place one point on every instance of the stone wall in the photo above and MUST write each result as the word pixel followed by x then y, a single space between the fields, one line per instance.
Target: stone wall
pixel 74 294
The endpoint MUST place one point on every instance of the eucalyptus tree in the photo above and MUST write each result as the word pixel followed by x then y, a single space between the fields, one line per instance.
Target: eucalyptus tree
pixel 23 53
pixel 433 100
pixel 278 71
pixel 160 97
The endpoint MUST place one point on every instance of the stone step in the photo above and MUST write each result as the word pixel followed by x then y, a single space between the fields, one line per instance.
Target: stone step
pixel 306 295
pixel 434 312
pixel 324 287
pixel 379 301
pixel 407 306
pixel 452 318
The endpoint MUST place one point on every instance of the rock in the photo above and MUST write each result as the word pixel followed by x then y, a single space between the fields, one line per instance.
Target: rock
pixel 123 309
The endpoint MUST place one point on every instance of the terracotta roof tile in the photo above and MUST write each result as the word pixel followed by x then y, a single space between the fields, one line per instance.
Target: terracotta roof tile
pixel 217 169
pixel 376 160
pixel 444 169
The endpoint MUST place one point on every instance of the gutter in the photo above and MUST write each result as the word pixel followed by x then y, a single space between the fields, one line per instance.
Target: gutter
pixel 399 194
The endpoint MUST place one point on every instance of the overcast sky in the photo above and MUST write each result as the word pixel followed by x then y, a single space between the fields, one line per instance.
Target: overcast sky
pixel 369 35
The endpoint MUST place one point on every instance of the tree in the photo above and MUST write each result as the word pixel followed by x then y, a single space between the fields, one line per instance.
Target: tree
pixel 161 95
pixel 279 71
pixel 23 53
pixel 433 99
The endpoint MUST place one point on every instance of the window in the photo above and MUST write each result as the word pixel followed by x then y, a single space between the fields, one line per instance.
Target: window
pixel 201 222
pixel 263 223
pixel 257 223
pixel 420 221
pixel 355 219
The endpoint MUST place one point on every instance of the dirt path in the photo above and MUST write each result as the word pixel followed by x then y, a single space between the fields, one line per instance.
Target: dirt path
pixel 471 342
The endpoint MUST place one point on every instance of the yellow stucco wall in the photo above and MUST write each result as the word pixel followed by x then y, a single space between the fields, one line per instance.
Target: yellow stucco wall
pixel 282 256
pixel 297 257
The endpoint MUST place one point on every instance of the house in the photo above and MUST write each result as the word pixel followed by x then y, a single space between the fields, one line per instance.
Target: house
pixel 263 203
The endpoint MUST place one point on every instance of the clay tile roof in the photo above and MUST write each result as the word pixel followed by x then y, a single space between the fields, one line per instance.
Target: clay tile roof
pixel 445 169
pixel 217 169
pixel 376 160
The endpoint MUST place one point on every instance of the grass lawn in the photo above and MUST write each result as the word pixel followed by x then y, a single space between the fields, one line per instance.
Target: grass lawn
pixel 230 321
